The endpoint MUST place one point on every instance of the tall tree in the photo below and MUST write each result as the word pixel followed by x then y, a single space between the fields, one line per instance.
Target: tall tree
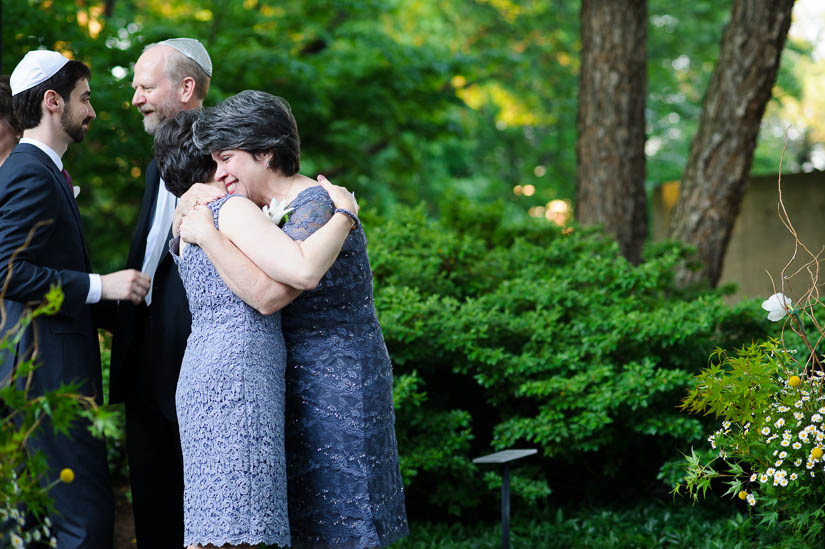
pixel 611 121
pixel 721 153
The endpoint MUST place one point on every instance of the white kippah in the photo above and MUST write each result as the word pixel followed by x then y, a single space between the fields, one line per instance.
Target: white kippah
pixel 192 49
pixel 36 67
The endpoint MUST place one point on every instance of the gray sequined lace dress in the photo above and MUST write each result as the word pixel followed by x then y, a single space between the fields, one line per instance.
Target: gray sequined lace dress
pixel 230 405
pixel 344 481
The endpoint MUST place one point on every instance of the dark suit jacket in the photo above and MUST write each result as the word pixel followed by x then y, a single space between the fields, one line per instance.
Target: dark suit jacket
pixel 33 191
pixel 148 343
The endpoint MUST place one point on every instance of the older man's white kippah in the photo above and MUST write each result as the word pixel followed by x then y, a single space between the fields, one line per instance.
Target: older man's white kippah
pixel 36 67
pixel 192 49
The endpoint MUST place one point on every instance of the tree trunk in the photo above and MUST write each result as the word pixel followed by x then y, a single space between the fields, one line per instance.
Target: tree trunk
pixel 721 153
pixel 610 152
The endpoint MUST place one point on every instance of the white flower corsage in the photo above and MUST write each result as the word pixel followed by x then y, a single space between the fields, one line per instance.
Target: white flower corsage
pixel 277 212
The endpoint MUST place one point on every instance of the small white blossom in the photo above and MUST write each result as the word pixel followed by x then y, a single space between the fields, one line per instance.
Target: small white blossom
pixel 276 211
pixel 779 423
pixel 765 430
pixel 751 500
pixel 794 476
pixel 797 445
pixel 816 418
pixel 777 306
pixel 753 477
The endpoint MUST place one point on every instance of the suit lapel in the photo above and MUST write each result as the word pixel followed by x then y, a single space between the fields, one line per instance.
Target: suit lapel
pixel 66 192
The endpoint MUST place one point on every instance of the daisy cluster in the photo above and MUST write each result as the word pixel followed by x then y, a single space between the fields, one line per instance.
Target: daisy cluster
pixel 13 525
pixel 792 433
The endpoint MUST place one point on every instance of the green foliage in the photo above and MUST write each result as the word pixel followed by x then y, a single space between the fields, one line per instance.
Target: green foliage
pixel 547 339
pixel 653 526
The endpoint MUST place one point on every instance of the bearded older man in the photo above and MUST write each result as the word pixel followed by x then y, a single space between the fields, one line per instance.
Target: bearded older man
pixel 150 338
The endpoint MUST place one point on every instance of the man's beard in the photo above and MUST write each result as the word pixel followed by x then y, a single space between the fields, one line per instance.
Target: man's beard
pixel 76 131
pixel 161 113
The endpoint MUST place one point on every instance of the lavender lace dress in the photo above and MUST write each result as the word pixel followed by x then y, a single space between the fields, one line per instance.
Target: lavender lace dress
pixel 230 405
pixel 344 482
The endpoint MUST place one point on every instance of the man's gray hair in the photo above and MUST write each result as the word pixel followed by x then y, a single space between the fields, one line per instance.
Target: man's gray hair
pixel 255 122
pixel 189 60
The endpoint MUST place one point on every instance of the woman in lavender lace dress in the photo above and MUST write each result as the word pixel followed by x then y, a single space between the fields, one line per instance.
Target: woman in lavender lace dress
pixel 344 481
pixel 230 394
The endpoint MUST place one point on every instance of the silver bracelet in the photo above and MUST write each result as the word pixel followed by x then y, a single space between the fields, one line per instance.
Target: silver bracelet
pixel 350 215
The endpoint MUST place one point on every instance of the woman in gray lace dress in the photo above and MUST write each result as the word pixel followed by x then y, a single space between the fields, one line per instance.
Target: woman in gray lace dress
pixel 230 394
pixel 344 481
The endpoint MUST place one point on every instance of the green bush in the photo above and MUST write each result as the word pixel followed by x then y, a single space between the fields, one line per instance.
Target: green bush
pixel 507 334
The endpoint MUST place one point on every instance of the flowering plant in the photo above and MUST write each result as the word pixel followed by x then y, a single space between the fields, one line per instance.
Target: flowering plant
pixel 771 401
pixel 278 212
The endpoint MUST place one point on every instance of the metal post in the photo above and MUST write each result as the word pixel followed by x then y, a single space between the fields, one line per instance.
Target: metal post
pixel 505 506
pixel 504 458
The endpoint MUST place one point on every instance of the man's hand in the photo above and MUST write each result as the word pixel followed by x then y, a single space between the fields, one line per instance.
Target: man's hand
pixel 199 193
pixel 122 285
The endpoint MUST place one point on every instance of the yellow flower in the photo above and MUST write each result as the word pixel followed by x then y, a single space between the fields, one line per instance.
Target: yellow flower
pixel 816 453
pixel 743 495
pixel 794 381
pixel 67 475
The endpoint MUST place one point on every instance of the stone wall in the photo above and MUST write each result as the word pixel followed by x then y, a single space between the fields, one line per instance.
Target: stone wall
pixel 760 241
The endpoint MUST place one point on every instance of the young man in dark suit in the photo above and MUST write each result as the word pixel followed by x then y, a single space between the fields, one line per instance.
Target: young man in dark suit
pixel 150 338
pixel 51 98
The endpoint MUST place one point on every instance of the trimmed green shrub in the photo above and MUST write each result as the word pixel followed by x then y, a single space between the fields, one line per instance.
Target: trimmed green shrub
pixel 507 334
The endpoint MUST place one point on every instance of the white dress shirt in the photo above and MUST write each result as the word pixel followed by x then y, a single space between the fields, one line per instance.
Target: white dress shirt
pixel 156 240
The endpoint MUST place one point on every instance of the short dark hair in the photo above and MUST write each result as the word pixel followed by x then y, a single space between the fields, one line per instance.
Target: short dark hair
pixel 180 162
pixel 255 122
pixel 7 104
pixel 27 103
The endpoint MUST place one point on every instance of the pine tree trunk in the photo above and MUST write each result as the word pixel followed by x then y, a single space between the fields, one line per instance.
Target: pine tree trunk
pixel 721 153
pixel 611 121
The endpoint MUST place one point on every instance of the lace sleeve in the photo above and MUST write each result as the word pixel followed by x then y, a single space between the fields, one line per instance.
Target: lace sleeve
pixel 309 216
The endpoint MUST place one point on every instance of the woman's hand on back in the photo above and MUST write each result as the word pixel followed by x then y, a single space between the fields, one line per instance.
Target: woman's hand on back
pixel 199 193
pixel 340 196
pixel 197 225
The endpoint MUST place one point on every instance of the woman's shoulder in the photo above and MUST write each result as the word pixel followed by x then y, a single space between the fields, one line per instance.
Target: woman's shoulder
pixel 313 195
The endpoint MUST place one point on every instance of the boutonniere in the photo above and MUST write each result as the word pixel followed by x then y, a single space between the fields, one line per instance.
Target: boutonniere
pixel 277 212
pixel 76 191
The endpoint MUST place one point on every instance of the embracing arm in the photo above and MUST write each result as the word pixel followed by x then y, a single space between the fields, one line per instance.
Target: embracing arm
pixel 297 264
pixel 244 278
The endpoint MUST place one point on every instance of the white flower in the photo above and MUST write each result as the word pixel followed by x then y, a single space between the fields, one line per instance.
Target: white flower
pixel 751 500
pixel 765 430
pixel 777 306
pixel 797 445
pixel 277 211
pixel 783 455
pixel 753 477
pixel 794 476
pixel 779 423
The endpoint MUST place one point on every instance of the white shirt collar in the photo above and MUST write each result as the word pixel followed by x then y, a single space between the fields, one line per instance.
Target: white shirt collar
pixel 46 149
